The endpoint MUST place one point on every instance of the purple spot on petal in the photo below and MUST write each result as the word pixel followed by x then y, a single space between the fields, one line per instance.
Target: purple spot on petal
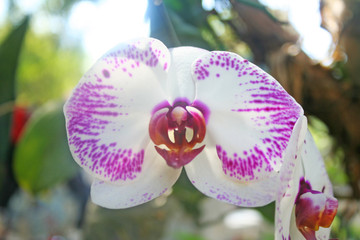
pixel 106 73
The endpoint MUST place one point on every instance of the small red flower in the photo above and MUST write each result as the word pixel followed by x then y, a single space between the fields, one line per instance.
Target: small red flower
pixel 20 117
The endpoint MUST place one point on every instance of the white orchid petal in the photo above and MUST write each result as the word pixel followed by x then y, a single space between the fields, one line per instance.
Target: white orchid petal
pixel 292 156
pixel 323 233
pixel 294 232
pixel 251 115
pixel 180 83
pixel 108 113
pixel 153 181
pixel 314 167
pixel 290 175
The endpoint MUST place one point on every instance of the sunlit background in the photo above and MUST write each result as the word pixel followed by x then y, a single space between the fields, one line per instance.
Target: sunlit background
pixel 100 25
pixel 64 39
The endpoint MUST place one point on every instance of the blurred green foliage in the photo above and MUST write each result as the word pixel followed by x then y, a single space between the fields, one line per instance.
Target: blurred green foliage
pixel 188 236
pixel 9 56
pixel 158 219
pixel 42 157
pixel 35 70
pixel 188 195
pixel 194 26
pixel 333 156
pixel 189 21
pixel 47 70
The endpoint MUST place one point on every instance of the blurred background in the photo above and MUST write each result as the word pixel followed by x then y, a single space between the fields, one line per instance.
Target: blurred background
pixel 312 47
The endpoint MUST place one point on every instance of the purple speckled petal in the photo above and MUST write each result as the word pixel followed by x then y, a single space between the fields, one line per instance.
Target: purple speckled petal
pixel 155 179
pixel 180 83
pixel 306 163
pixel 251 115
pixel 206 174
pixel 108 113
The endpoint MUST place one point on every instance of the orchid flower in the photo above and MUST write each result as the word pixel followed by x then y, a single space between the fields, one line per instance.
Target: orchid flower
pixel 305 206
pixel 144 111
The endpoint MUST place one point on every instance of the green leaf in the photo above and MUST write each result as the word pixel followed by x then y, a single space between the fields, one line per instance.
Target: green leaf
pixel 268 211
pixel 9 55
pixel 42 157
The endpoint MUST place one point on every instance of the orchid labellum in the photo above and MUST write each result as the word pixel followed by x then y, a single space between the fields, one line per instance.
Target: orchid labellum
pixel 305 206
pixel 143 112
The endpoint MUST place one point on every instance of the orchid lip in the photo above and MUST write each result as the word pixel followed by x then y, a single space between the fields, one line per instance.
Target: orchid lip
pixel 180 128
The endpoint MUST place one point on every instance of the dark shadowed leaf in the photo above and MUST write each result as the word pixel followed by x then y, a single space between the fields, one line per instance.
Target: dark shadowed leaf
pixel 42 157
pixel 160 25
pixel 9 55
pixel 189 34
